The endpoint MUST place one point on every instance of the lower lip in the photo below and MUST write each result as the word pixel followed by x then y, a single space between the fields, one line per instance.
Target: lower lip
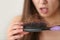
pixel 44 10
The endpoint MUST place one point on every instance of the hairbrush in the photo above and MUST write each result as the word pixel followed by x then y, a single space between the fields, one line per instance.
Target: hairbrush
pixel 35 27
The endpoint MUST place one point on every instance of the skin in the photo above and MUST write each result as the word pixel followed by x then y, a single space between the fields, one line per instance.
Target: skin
pixel 14 29
pixel 53 14
pixel 52 6
pixel 50 35
pixel 51 17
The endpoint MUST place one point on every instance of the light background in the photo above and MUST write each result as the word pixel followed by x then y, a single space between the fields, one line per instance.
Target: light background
pixel 8 10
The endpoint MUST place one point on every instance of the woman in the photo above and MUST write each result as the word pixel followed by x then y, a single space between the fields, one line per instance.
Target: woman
pixel 47 11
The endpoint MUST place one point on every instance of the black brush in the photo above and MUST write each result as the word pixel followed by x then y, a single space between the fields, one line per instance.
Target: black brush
pixel 35 27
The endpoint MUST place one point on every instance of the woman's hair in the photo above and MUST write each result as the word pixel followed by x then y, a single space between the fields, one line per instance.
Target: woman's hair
pixel 30 14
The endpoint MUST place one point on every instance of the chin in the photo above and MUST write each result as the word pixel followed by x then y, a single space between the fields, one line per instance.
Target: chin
pixel 45 15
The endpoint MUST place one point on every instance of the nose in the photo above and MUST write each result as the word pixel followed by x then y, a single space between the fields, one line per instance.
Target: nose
pixel 43 1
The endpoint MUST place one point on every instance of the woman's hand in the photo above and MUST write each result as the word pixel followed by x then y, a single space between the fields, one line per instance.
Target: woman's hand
pixel 15 31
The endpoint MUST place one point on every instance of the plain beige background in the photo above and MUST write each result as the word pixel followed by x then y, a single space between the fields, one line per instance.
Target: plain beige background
pixel 8 10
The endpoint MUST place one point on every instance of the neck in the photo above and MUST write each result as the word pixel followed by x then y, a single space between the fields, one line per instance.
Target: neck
pixel 54 19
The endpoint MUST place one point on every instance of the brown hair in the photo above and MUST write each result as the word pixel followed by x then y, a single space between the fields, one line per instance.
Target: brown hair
pixel 30 14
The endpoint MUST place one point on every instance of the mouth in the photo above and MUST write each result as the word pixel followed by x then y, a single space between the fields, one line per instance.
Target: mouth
pixel 44 10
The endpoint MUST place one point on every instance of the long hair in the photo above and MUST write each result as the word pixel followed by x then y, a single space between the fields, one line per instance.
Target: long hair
pixel 30 14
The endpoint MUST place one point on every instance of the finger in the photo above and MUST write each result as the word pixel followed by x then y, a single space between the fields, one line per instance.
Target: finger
pixel 16 27
pixel 16 32
pixel 17 23
pixel 16 37
pixel 25 33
